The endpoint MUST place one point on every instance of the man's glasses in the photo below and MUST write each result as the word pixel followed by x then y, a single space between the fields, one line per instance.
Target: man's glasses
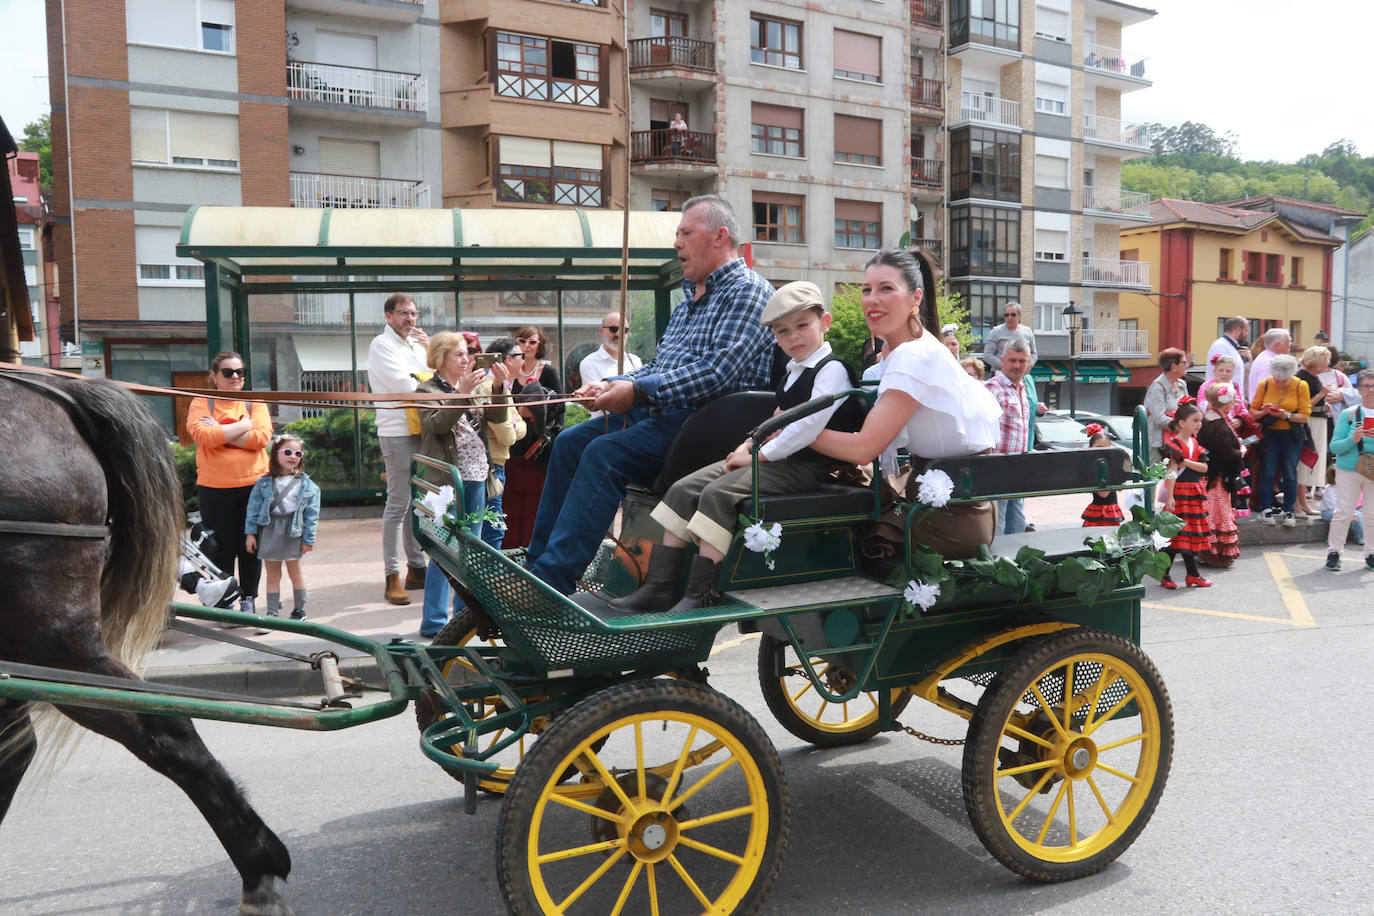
pixel 233 373
pixel 614 328
pixel 1010 314
pixel 406 313
pixel 293 452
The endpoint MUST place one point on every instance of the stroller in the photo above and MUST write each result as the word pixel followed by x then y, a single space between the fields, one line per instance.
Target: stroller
pixel 197 575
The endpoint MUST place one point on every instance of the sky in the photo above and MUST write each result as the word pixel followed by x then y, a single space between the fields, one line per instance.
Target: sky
pixel 1285 85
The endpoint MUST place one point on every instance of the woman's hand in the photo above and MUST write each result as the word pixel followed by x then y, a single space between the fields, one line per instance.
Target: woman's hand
pixel 470 380
pixel 252 543
pixel 500 374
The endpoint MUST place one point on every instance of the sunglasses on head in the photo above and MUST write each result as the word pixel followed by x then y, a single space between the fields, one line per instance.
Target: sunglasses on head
pixel 614 328
pixel 233 373
pixel 473 351
pixel 293 452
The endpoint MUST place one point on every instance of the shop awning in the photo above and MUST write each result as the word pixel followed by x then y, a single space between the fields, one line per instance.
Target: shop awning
pixel 1089 371
pixel 1050 370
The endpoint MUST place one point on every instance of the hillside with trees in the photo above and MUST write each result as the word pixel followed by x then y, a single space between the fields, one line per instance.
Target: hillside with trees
pixel 1193 162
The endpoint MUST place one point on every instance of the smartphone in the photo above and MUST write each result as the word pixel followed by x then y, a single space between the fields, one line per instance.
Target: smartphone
pixel 1367 424
pixel 485 360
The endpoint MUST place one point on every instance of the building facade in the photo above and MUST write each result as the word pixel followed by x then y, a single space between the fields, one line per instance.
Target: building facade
pixel 1359 302
pixel 33 215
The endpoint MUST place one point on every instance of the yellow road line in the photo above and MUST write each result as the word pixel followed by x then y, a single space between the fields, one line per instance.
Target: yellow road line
pixel 1298 614
pixel 730 644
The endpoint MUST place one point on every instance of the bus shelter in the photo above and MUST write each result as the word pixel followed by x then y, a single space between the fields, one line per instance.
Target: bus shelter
pixel 299 293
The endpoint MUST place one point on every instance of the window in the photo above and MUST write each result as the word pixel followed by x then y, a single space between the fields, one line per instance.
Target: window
pixel 775 42
pixel 1051 245
pixel 667 199
pixel 663 23
pixel 1049 317
pixel 858 141
pixel 1224 264
pixel 1273 269
pixel 1051 98
pixel 858 224
pixel 984 302
pixel 550 172
pixel 1051 24
pixel 988 22
pixel 546 70
pixel 196 25
pixel 777 131
pixel 1295 331
pixel 985 163
pixel 1295 272
pixel 1051 172
pixel 1254 266
pixel 26 238
pixel 184 138
pixel 858 57
pixel 778 217
pixel 985 241
pixel 158 264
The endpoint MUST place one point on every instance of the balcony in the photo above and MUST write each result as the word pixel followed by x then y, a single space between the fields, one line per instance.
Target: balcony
pixel 990 111
pixel 1111 134
pixel 1114 202
pixel 933 248
pixel 1118 344
pixel 1107 65
pixel 926 14
pixel 356 93
pixel 928 174
pixel 1114 274
pixel 405 11
pixel 672 150
pixel 927 98
pixel 671 52
pixel 311 189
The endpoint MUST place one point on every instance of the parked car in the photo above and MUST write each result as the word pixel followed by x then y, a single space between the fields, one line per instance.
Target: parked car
pixel 1056 431
pixel 1117 427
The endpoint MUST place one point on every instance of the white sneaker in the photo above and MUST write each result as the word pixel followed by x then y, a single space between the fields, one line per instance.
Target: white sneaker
pixel 1269 517
pixel 1289 521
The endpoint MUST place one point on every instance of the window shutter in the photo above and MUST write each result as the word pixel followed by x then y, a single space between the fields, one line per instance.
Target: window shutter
pixel 858 53
pixel 862 136
pixel 777 115
pixel 362 158
pixel 576 155
pixel 148 127
pixel 867 211
pixel 217 11
pixel 1051 172
pixel 525 151
pixel 204 136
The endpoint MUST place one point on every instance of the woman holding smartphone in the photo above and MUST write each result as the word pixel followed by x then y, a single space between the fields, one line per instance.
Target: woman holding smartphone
pixel 1353 445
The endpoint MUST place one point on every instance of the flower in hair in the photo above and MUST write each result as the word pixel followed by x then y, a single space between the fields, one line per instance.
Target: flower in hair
pixel 1186 399
pixel 1213 361
pixel 1093 429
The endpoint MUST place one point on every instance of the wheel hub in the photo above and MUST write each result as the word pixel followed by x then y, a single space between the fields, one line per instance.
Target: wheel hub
pixel 1079 757
pixel 649 829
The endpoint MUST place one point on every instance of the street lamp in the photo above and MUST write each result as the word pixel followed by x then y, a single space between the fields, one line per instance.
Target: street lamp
pixel 1073 318
pixel 1321 336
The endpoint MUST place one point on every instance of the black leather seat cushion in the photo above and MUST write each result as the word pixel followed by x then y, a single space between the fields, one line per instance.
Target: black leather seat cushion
pixel 830 499
pixel 713 432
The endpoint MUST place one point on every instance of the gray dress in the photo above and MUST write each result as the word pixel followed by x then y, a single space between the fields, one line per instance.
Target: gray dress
pixel 274 540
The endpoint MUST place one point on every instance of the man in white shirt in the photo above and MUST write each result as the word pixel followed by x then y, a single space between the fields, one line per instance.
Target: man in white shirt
pixel 393 356
pixel 1276 343
pixel 1231 343
pixel 601 363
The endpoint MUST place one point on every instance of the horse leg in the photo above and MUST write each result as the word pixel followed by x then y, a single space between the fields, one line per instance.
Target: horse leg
pixel 17 747
pixel 171 746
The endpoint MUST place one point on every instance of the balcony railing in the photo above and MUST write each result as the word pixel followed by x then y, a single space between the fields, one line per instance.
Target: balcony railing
pixel 928 173
pixel 1115 200
pixel 310 189
pixel 1111 60
pixel 672 146
pixel 926 13
pixel 927 93
pixel 1111 272
pixel 991 110
pixel 1111 130
pixel 1120 342
pixel 672 51
pixel 356 86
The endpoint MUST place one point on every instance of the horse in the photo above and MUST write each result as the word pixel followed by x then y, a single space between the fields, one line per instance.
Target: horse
pixel 90 517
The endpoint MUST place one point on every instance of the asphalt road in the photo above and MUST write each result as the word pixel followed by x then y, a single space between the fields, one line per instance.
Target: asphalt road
pixel 1266 810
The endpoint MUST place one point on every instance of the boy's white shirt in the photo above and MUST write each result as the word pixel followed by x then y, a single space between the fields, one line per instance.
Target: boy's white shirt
pixel 832 379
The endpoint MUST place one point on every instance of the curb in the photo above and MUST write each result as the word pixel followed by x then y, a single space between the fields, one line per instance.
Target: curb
pixel 1252 532
pixel 272 680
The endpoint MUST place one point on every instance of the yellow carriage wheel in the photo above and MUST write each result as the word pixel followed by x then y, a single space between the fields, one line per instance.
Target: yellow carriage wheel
pixel 680 808
pixel 1067 754
pixel 794 702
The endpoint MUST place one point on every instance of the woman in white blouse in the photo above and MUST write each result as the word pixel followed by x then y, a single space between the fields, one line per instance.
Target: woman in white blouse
pixel 926 404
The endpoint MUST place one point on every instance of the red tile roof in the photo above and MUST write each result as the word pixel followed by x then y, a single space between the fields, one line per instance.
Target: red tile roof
pixel 1168 210
pixel 1256 202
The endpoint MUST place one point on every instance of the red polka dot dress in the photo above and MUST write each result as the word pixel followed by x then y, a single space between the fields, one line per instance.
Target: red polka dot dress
pixel 1190 498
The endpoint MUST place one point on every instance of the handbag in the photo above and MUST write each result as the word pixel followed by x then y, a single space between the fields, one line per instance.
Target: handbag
pixel 1364 465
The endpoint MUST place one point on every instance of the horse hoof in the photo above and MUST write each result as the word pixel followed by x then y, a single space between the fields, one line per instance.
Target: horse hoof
pixel 264 901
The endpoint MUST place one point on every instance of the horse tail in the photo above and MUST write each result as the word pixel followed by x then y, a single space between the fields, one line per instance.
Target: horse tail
pixel 146 517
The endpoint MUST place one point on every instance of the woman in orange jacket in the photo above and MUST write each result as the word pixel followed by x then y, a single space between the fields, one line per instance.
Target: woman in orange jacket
pixel 231 437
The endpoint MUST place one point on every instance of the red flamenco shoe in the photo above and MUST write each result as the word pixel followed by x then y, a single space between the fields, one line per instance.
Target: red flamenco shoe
pixel 1197 582
pixel 1168 582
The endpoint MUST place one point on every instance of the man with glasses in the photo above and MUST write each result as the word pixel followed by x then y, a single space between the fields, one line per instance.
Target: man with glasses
pixel 1009 330
pixel 601 363
pixel 392 358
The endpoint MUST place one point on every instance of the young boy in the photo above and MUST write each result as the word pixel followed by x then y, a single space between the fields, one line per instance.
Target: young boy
pixel 703 506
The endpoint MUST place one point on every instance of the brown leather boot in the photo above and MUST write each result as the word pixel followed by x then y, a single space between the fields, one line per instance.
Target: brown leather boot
pixel 415 577
pixel 395 591
pixel 702 580
pixel 662 582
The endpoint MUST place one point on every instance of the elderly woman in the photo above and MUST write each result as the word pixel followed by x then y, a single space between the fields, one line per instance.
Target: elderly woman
pixel 1282 407
pixel 1324 392
pixel 1162 397
pixel 926 403
pixel 1352 440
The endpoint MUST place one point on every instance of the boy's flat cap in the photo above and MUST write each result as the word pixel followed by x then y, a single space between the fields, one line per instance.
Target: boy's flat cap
pixel 792 298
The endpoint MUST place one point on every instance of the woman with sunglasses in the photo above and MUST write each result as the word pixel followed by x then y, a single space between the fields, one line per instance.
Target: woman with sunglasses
pixel 529 457
pixel 231 437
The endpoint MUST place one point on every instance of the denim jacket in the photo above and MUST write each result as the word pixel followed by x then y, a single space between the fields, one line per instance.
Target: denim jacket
pixel 307 514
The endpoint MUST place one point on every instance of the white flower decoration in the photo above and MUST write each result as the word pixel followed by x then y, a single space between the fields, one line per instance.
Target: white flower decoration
pixel 920 594
pixel 762 540
pixel 935 488
pixel 1160 541
pixel 439 504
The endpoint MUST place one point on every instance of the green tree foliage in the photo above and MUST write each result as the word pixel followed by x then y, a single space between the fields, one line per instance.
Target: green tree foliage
pixel 38 139
pixel 849 331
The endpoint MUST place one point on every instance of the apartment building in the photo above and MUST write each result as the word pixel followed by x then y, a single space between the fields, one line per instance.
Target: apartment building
pixel 34 220
pixel 160 105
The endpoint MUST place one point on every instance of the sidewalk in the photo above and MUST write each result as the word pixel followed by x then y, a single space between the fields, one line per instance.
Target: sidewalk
pixel 345 577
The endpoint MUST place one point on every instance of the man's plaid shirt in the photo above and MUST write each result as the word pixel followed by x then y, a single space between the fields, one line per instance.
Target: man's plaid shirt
pixel 713 345
pixel 1015 422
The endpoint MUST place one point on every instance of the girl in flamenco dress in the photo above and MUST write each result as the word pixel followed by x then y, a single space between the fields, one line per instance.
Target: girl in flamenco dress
pixel 1186 493
pixel 1104 511
pixel 1224 478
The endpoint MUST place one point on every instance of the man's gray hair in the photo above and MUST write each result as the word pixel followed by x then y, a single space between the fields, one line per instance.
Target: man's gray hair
pixel 1235 324
pixel 1012 305
pixel 718 215
pixel 1018 344
pixel 1273 335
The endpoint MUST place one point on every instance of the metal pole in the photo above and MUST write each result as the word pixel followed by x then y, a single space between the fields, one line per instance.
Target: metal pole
pixel 357 413
pixel 1073 373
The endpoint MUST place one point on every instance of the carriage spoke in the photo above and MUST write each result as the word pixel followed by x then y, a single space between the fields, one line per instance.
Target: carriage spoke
pixel 1095 692
pixel 687 880
pixel 1073 814
pixel 820 710
pixel 1123 741
pixel 1102 802
pixel 805 687
pixel 653 889
pixel 625 891
pixel 701 783
pixel 742 811
pixel 1026 768
pixel 570 802
pixel 591 879
pixel 681 762
pixel 576 851
pixel 1117 773
pixel 1106 717
pixel 1054 809
pixel 710 850
pixel 1035 790
pixel 609 780
pixel 1048 710
pixel 1018 732
pixel 639 757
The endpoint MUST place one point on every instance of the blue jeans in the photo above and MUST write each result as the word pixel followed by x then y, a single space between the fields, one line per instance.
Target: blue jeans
pixel 436 610
pixel 490 533
pixel 588 472
pixel 1280 458
pixel 1011 515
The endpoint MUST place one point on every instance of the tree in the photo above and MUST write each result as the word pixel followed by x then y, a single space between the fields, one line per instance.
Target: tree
pixel 38 139
pixel 849 331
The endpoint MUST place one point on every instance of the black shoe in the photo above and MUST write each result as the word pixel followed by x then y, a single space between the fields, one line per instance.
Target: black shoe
pixel 701 585
pixel 662 583
pixel 298 614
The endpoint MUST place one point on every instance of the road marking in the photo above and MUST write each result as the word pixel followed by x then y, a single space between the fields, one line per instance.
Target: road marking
pixel 730 644
pixel 918 809
pixel 1298 614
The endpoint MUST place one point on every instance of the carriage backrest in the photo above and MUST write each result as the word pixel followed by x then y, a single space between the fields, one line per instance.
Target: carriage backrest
pixel 713 431
pixel 1001 476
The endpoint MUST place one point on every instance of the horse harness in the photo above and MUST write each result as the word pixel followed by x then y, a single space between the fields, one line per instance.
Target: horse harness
pixel 82 420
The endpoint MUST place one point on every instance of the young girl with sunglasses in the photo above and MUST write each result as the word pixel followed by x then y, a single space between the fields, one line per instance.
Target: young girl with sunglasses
pixel 283 514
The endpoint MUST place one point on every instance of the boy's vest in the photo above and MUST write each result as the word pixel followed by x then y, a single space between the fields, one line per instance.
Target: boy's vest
pixel 849 418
